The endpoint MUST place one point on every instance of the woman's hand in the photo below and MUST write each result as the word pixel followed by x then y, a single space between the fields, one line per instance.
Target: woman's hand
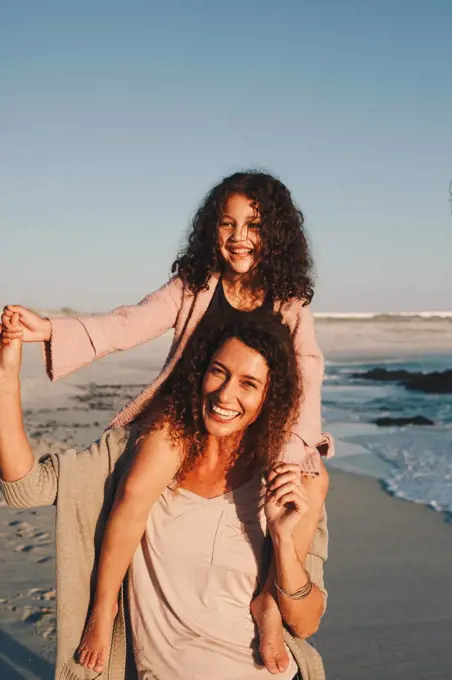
pixel 290 495
pixel 286 500
pixel 33 328
pixel 11 352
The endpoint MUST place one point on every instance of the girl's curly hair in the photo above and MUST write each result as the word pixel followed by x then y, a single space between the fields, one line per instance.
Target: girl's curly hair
pixel 285 263
pixel 178 403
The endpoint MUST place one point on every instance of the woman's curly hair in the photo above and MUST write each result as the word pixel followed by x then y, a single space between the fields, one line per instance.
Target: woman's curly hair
pixel 285 264
pixel 178 403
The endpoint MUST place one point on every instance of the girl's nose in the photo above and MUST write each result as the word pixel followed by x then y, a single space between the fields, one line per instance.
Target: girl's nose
pixel 240 232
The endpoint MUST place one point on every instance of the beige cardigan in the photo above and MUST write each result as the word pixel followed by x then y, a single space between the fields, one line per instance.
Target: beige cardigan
pixel 82 486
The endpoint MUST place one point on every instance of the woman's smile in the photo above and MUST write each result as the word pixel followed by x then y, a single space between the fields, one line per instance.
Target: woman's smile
pixel 220 414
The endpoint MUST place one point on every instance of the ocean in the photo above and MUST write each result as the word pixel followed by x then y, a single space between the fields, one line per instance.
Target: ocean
pixel 414 462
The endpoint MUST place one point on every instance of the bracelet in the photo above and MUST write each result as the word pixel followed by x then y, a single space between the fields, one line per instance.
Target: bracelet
pixel 299 594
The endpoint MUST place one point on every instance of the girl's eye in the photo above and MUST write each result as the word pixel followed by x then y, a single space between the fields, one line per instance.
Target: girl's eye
pixel 215 370
pixel 226 224
pixel 249 383
pixel 255 225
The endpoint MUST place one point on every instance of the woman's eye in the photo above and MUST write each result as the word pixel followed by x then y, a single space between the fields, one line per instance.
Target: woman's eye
pixel 255 225
pixel 248 383
pixel 216 371
pixel 226 224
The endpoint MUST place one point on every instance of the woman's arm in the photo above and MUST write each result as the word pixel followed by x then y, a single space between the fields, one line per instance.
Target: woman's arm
pixel 71 343
pixel 24 482
pixel 299 545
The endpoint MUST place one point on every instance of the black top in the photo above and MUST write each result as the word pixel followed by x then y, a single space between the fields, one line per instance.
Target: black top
pixel 221 307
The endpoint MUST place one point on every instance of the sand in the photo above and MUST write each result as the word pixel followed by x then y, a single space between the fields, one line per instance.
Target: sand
pixel 390 565
pixel 389 580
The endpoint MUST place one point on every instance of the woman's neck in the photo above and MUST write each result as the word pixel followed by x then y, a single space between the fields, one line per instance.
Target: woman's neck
pixel 220 469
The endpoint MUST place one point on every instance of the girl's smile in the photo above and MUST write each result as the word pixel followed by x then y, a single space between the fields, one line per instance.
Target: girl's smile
pixel 238 235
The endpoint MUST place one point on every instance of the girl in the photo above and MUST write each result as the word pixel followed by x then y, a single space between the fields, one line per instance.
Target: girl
pixel 246 250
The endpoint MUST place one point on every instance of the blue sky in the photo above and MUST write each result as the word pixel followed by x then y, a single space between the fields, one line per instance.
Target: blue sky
pixel 117 117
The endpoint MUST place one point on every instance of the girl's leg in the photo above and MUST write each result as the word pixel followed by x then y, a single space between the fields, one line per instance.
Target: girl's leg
pixel 154 466
pixel 268 619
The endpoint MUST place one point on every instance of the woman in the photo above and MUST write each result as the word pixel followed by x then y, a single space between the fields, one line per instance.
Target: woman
pixel 249 369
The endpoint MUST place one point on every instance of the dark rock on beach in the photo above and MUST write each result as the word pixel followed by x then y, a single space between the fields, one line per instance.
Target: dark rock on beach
pixel 415 420
pixel 437 382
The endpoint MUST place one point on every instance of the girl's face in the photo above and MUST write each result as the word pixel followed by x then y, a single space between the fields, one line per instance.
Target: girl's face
pixel 238 235
pixel 233 389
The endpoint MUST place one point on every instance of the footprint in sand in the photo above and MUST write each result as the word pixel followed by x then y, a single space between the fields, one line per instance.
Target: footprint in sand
pixel 24 548
pixel 42 593
pixel 36 615
pixel 49 633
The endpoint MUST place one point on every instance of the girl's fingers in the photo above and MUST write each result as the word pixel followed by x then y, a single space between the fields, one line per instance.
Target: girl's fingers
pixel 13 309
pixel 280 468
pixel 15 323
pixel 283 478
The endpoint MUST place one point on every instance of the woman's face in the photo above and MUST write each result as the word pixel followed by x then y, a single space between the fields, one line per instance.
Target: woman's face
pixel 238 235
pixel 234 388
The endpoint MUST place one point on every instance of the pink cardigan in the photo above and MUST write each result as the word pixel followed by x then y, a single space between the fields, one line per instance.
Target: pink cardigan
pixel 77 342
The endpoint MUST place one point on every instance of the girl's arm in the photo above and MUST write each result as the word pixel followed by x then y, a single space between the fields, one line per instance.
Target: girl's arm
pixel 70 343
pixel 300 545
pixel 307 440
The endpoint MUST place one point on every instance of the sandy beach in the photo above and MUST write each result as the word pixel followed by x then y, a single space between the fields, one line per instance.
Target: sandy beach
pixel 390 564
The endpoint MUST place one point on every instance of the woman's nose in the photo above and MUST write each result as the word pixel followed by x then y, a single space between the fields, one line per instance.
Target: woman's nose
pixel 226 392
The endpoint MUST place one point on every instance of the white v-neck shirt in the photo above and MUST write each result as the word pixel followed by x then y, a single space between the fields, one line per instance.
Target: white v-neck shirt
pixel 191 584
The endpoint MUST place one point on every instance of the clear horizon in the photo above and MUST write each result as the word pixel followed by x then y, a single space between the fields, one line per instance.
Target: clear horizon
pixel 119 117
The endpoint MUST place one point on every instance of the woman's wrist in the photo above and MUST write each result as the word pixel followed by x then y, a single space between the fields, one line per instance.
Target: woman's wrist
pixel 281 539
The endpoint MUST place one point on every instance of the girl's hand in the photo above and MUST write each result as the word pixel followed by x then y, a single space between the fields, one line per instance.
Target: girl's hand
pixel 11 352
pixel 34 327
pixel 286 500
